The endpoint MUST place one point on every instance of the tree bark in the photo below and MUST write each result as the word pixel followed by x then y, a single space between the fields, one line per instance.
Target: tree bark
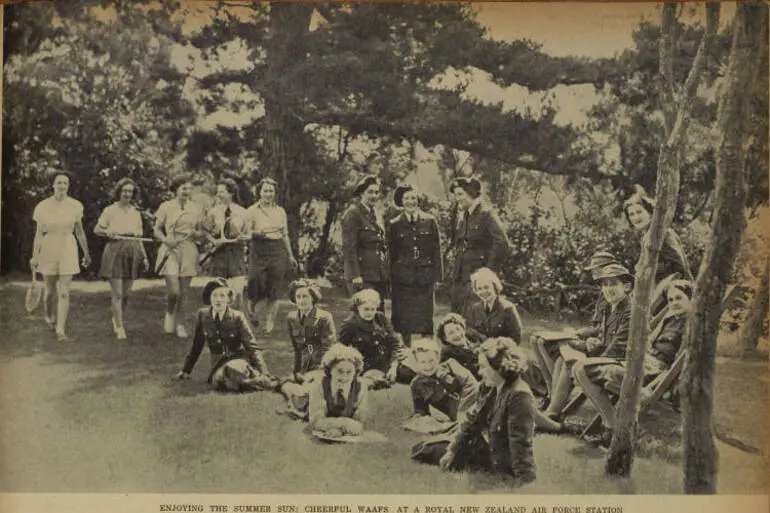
pixel 621 455
pixel 284 153
pixel 700 452
pixel 751 330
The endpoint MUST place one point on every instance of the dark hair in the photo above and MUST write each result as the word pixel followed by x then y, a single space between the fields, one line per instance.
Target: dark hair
pixel 212 286
pixel 685 286
pixel 198 180
pixel 470 185
pixel 450 318
pixel 61 172
pixel 116 190
pixel 180 180
pixel 398 196
pixel 639 197
pixel 263 182
pixel 364 184
pixel 231 186
pixel 505 357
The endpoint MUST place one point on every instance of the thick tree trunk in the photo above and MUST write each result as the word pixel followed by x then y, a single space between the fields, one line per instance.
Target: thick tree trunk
pixel 320 256
pixel 621 455
pixel 751 330
pixel 284 153
pixel 700 452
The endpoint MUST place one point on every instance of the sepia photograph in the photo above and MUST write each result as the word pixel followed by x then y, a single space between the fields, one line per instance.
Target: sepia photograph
pixel 384 249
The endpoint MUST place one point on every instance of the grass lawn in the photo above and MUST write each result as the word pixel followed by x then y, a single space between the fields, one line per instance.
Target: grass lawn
pixel 97 415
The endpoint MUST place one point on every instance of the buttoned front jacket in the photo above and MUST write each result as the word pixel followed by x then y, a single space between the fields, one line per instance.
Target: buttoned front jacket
pixel 364 248
pixel 415 250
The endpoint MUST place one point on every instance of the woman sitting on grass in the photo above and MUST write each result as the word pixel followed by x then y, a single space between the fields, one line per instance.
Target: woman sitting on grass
pixel 445 385
pixel 371 334
pixel 237 363
pixel 496 435
pixel 455 343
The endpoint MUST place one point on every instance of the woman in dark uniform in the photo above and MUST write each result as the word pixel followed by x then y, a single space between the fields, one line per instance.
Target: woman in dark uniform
pixel 415 265
pixel 479 241
pixel 364 247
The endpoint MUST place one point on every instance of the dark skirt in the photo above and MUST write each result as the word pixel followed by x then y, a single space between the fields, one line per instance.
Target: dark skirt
pixel 268 263
pixel 229 261
pixel 412 308
pixel 121 259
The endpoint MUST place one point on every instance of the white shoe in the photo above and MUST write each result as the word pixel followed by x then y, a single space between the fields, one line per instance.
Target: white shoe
pixel 121 333
pixel 180 331
pixel 168 323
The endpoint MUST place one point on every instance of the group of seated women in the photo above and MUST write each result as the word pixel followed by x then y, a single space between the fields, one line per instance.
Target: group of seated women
pixel 474 377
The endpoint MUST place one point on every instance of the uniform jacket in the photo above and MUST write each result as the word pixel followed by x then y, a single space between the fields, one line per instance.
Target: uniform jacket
pixel 480 241
pixel 672 259
pixel 612 331
pixel 667 340
pixel 450 390
pixel 231 338
pixel 375 340
pixel 507 420
pixel 310 337
pixel 465 356
pixel 502 321
pixel 415 250
pixel 363 245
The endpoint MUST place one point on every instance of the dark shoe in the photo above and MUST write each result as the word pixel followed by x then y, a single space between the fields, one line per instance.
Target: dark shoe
pixel 603 439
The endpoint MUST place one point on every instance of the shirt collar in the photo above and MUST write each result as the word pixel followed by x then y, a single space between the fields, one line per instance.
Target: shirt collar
pixel 221 314
pixel 474 206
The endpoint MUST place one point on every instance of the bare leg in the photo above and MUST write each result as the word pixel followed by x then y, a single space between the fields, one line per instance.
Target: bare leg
pixel 172 297
pixel 271 309
pixel 49 298
pixel 184 286
pixel 127 285
pixel 63 304
pixel 116 286
pixel 545 424
pixel 237 284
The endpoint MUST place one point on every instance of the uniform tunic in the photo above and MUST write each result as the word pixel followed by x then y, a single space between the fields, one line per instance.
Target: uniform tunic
pixel 364 249
pixel 415 267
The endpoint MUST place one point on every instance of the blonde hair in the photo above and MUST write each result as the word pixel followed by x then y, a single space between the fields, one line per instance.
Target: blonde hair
pixel 341 353
pixel 365 296
pixel 486 275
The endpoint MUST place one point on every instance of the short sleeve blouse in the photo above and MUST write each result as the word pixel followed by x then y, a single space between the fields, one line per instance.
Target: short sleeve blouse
pixel 123 221
pixel 54 216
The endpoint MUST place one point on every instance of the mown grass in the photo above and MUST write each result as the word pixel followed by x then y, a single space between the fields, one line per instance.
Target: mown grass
pixel 98 415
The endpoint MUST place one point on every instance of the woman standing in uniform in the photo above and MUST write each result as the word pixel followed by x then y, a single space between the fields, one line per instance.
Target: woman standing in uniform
pixel 177 226
pixel 55 249
pixel 364 247
pixel 270 254
pixel 415 265
pixel 121 257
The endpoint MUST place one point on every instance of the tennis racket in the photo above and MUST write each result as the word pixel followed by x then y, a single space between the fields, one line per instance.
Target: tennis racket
pixel 159 266
pixel 34 294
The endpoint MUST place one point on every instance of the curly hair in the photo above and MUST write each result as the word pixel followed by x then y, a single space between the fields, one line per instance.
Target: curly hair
pixel 118 189
pixel 365 296
pixel 486 275
pixel 180 180
pixel 639 197
pixel 231 187
pixel 263 182
pixel 60 172
pixel 505 357
pixel 450 318
pixel 341 353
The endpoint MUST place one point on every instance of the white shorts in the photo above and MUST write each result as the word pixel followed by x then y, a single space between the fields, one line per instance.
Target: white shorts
pixel 58 255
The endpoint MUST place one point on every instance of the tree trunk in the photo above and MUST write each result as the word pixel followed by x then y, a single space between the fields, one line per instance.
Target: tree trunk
pixel 700 452
pixel 284 151
pixel 751 331
pixel 621 455
pixel 319 257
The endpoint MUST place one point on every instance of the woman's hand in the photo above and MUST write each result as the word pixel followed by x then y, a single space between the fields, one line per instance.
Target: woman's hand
pixel 293 263
pixel 86 260
pixel 183 375
pixel 145 262
pixel 170 242
pixel 33 263
pixel 446 460
pixel 392 373
pixel 335 432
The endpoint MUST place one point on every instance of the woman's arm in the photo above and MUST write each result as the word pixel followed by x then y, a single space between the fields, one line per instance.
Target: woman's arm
pixel 36 246
pixel 80 234
pixel 286 241
pixel 250 345
pixel 158 228
pixel 103 224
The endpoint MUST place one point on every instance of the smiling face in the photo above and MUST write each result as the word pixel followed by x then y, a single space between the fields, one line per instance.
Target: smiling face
pixel 220 298
pixel 370 196
pixel 427 362
pixel 342 374
pixel 367 310
pixel 304 299
pixel 613 289
pixel 127 193
pixel 267 193
pixel 454 334
pixel 410 200
pixel 184 192
pixel 638 216
pixel 485 290
pixel 61 184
